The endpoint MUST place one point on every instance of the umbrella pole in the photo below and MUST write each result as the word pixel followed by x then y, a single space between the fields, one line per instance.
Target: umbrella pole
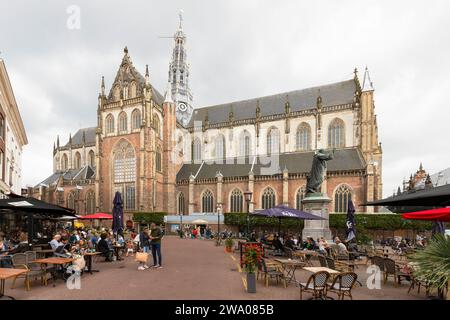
pixel 279 226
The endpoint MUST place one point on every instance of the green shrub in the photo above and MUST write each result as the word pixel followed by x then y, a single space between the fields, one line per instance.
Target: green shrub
pixel 149 217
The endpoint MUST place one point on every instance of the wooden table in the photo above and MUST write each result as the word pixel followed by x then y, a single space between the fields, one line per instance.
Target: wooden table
pixel 88 258
pixel 6 273
pixel 290 265
pixel 55 261
pixel 318 269
pixel 306 255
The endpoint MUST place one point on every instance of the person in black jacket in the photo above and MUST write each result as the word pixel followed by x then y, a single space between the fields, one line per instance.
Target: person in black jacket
pixel 23 245
pixel 103 247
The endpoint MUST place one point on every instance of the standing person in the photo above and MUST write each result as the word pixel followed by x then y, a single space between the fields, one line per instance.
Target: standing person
pixel 144 244
pixel 155 237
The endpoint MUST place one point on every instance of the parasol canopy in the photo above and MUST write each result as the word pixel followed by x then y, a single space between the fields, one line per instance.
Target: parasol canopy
pixel 283 211
pixel 97 216
pixel 118 214
pixel 440 214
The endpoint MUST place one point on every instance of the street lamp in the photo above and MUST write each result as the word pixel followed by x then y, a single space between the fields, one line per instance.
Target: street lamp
pixel 219 210
pixel 248 197
pixel 181 225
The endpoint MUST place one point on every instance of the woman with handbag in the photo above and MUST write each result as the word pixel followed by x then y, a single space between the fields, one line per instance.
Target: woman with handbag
pixel 144 244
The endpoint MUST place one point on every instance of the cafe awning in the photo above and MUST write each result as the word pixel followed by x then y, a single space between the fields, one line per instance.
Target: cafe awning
pixel 433 197
pixel 19 204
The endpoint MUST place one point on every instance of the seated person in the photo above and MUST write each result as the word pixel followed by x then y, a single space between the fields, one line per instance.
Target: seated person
pixel 103 247
pixel 277 243
pixel 341 248
pixel 23 245
pixel 290 243
pixel 56 242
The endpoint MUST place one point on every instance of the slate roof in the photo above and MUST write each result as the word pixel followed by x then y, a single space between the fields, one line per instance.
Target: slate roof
pixel 298 162
pixel 332 94
pixel 89 136
pixel 84 173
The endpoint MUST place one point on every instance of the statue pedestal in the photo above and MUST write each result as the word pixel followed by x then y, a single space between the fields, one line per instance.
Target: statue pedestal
pixel 317 204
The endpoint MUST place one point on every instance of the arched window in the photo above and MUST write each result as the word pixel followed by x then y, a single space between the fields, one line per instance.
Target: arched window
pixel 180 209
pixel 124 173
pixel 158 159
pixel 136 119
pixel 303 138
pixel 64 162
pixel 299 197
pixel 273 141
pixel 122 122
pixel 157 125
pixel 132 90
pixel 71 200
pixel 196 150
pixel 336 134
pixel 341 197
pixel 91 158
pixel 220 147
pixel 236 201
pixel 245 144
pixel 90 202
pixel 77 161
pixel 268 198
pixel 207 201
pixel 109 123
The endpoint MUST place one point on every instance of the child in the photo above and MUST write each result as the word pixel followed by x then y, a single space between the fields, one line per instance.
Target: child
pixel 130 248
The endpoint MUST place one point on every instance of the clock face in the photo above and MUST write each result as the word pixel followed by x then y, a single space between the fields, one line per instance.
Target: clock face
pixel 182 106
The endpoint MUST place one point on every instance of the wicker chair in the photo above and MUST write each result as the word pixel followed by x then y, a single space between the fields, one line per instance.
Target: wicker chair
pixel 317 284
pixel 391 269
pixel 379 262
pixel 270 272
pixel 343 284
pixel 20 262
pixel 336 265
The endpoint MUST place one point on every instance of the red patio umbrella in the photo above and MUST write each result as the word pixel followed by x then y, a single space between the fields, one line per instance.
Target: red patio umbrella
pixel 97 216
pixel 440 214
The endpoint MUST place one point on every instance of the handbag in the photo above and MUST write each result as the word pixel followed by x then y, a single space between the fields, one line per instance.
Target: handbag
pixel 141 257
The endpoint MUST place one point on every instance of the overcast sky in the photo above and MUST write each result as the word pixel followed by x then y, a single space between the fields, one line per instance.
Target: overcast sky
pixel 237 50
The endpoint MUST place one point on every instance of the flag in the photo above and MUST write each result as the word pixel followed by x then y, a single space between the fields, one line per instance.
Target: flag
pixel 351 231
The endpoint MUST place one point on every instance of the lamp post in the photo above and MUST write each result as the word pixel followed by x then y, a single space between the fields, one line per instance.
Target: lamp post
pixel 219 210
pixel 248 197
pixel 181 225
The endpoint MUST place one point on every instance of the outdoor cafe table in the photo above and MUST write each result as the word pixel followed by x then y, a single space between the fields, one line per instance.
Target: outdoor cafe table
pixel 55 261
pixel 6 273
pixel 44 252
pixel 290 265
pixel 88 256
pixel 117 249
pixel 305 255
pixel 318 269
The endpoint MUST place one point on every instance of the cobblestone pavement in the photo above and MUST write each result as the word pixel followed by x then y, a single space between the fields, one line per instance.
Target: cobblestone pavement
pixel 193 269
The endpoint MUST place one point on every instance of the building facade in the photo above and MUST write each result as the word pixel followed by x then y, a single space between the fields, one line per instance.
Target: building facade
pixel 164 155
pixel 12 137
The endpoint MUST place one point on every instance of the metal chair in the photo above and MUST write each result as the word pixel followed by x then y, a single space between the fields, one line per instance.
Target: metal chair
pixel 272 272
pixel 343 284
pixel 379 262
pixel 317 284
pixel 20 262
pixel 335 265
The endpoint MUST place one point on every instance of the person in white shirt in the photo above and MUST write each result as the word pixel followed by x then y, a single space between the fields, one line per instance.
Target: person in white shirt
pixel 342 249
pixel 55 243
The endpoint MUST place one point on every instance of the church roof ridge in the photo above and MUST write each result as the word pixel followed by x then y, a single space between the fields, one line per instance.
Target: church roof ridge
pixel 336 93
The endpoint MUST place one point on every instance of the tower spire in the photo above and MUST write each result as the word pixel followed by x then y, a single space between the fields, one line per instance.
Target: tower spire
pixel 147 76
pixel 367 83
pixel 102 86
pixel 179 77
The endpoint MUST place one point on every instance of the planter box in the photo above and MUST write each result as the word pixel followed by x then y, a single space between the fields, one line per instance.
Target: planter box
pixel 251 282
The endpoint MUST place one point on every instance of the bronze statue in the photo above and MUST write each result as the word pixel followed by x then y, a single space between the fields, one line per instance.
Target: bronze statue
pixel 318 170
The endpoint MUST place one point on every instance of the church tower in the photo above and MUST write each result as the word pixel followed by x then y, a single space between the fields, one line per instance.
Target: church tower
pixel 179 78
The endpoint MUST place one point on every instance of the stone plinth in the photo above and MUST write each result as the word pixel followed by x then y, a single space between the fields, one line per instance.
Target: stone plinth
pixel 317 204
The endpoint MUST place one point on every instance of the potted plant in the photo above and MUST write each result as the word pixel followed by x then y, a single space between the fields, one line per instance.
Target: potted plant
pixel 229 242
pixel 433 264
pixel 252 257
